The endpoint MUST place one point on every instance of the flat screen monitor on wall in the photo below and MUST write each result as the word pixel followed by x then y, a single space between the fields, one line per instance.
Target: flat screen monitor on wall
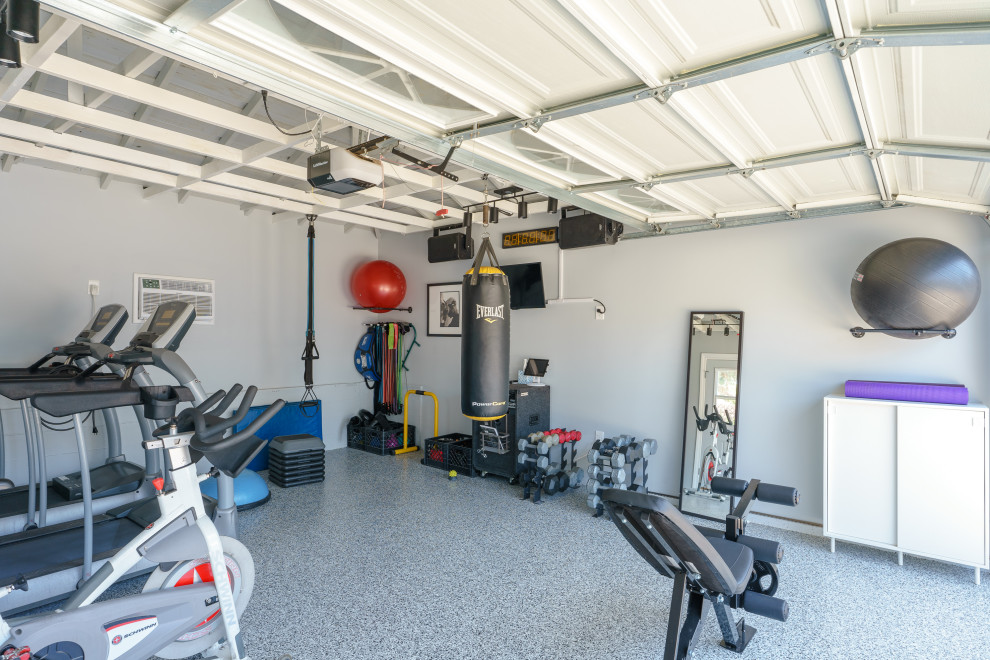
pixel 525 285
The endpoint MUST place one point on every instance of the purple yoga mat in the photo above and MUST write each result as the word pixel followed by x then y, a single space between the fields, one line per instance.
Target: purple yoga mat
pixel 922 392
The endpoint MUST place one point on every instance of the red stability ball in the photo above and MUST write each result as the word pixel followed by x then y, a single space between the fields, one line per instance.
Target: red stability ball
pixel 378 283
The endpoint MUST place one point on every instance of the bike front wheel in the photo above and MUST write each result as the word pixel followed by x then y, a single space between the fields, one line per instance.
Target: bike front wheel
pixel 240 573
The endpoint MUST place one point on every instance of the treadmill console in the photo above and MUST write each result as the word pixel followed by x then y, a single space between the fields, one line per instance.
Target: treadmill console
pixel 167 326
pixel 104 326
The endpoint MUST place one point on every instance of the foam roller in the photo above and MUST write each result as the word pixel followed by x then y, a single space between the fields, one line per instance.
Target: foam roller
pixel 774 494
pixel 727 486
pixel 763 605
pixel 765 550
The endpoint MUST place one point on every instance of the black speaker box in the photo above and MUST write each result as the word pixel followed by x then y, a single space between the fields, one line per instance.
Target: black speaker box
pixel 449 247
pixel 587 230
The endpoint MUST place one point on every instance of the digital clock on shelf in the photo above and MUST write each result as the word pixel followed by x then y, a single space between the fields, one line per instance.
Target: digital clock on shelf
pixel 532 237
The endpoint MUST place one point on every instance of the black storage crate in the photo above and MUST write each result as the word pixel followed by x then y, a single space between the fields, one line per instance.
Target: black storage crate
pixel 450 452
pixel 378 440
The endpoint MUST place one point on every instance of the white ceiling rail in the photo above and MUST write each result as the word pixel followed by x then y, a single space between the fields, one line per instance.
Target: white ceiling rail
pixel 135 28
pixel 194 13
pixel 671 229
pixel 922 200
pixel 42 136
pixel 789 160
pixel 923 35
pixel 857 97
pixel 53 34
pixel 935 151
pixel 31 150
pixel 736 67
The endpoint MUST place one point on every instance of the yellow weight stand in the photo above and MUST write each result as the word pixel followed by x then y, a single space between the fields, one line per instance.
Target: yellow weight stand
pixel 405 420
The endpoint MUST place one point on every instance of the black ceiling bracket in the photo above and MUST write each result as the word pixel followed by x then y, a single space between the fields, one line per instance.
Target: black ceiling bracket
pixel 436 169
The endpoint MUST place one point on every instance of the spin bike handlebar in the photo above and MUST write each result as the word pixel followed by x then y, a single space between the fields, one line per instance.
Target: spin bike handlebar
pixel 200 441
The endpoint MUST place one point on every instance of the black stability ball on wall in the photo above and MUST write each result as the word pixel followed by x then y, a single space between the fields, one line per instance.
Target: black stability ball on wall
pixel 916 284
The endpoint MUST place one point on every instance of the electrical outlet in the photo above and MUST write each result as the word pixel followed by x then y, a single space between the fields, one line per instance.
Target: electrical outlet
pixel 94 287
pixel 599 435
pixel 599 316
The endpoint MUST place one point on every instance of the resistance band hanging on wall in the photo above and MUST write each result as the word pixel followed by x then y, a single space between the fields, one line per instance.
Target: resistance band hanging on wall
pixel 309 405
pixel 381 358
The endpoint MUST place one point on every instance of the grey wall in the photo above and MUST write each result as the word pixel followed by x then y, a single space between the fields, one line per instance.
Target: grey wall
pixel 626 373
pixel 59 230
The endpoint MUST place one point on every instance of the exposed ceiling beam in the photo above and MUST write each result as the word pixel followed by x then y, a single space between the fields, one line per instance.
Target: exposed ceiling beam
pixel 53 34
pixel 139 29
pixel 141 92
pixel 133 66
pixel 30 150
pixel 194 13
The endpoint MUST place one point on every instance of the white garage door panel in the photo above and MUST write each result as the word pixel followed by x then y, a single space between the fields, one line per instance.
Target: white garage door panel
pixel 932 94
pixel 725 193
pixel 844 178
pixel 960 181
pixel 651 133
pixel 787 108
pixel 916 12
pixel 944 447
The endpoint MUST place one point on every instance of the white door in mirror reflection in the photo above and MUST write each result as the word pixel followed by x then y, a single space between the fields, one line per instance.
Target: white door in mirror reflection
pixel 717 402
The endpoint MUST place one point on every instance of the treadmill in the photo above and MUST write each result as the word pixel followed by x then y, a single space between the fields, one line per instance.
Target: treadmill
pixel 117 476
pixel 57 557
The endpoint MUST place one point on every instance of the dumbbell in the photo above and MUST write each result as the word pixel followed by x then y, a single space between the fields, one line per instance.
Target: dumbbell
pixel 563 481
pixel 523 443
pixel 616 475
pixel 649 447
pixel 542 462
pixel 551 485
pixel 594 501
pixel 615 458
pixel 576 477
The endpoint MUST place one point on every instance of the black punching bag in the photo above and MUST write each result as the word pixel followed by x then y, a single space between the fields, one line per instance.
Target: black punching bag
pixel 485 339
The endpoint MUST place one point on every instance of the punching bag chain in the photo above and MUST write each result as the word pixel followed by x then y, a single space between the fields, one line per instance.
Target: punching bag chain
pixel 310 352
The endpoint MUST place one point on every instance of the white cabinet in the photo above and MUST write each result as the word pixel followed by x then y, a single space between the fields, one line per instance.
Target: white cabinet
pixel 909 477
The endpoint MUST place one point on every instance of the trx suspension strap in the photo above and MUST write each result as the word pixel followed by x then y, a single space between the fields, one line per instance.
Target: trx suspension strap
pixel 310 352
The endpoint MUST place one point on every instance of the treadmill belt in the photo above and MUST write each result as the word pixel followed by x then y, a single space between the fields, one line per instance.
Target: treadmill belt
pixel 14 502
pixel 44 553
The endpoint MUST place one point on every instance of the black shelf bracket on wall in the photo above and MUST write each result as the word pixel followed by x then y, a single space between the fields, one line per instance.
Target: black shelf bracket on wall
pixel 861 332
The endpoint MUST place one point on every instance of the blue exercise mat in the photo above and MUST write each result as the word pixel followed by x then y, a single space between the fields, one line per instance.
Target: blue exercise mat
pixel 290 420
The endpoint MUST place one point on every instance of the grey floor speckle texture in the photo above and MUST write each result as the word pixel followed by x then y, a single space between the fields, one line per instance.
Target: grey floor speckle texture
pixel 389 559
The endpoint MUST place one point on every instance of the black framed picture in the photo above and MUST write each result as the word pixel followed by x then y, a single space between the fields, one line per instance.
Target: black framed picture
pixel 443 309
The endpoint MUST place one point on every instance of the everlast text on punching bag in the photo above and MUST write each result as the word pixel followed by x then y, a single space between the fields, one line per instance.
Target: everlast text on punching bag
pixel 485 339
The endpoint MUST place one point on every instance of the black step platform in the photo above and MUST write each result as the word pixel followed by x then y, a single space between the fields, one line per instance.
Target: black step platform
pixel 294 460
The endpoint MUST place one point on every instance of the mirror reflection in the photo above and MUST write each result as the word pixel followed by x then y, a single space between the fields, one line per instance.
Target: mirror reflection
pixel 711 414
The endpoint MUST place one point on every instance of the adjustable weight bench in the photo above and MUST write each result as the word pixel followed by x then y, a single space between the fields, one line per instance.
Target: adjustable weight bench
pixel 714 570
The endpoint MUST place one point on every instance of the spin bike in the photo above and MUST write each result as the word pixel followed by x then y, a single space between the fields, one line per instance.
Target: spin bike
pixel 717 459
pixel 182 610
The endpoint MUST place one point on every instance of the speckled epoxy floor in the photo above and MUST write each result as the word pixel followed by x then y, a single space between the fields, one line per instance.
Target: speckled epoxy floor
pixel 388 559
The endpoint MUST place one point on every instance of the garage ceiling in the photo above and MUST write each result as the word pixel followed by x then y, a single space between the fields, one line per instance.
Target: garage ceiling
pixel 668 116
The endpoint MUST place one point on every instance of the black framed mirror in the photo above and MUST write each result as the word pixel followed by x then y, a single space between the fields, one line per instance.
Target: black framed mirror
pixel 711 415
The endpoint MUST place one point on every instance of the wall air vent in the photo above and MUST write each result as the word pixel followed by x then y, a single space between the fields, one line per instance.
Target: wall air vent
pixel 152 290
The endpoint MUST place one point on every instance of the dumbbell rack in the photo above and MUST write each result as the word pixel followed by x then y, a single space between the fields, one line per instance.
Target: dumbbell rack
pixel 547 465
pixel 617 463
